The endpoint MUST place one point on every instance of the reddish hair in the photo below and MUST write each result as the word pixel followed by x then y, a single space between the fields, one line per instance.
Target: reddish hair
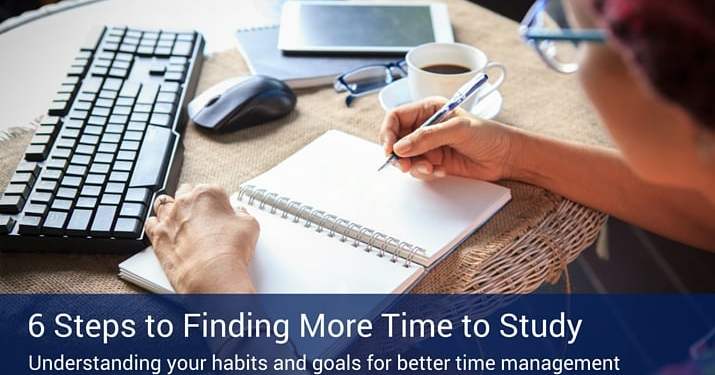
pixel 672 42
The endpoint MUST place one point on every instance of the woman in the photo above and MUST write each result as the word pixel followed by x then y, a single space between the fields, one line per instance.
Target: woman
pixel 652 84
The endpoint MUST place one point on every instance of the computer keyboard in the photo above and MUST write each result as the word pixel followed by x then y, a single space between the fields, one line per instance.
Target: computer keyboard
pixel 109 144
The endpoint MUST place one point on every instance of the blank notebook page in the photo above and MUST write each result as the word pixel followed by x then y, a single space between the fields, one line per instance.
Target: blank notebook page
pixel 291 258
pixel 337 173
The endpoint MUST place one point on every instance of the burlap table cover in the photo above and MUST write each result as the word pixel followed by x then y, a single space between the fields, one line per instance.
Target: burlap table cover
pixel 528 242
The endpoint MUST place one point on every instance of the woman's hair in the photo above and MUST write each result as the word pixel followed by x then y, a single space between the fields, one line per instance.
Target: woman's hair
pixel 672 43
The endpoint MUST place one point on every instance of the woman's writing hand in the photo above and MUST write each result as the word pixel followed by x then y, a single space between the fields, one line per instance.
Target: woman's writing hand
pixel 202 244
pixel 460 145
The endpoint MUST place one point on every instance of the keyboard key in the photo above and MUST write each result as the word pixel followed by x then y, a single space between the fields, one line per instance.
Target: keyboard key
pixel 76 170
pixel 164 108
pixel 58 108
pixel 50 121
pixel 11 204
pixel 137 210
pixel 126 155
pixel 29 167
pixel 18 189
pixel 67 193
pixel 130 89
pixel 40 197
pixel 122 166
pixel 129 146
pixel 51 174
pixel 148 93
pixel 108 147
pixel 114 188
pixel 54 223
pixel 138 195
pixel 91 85
pixel 160 119
pixel 103 221
pixel 71 181
pixel 113 84
pixel 29 225
pixel 111 138
pixel 127 228
pixel 36 152
pixel 86 202
pixel 35 209
pixel 22 178
pixel 55 163
pixel 91 190
pixel 85 150
pixel 99 168
pixel 46 185
pixel 95 179
pixel 81 159
pixel 116 176
pixel 79 222
pixel 174 76
pixel 157 69
pixel 61 205
pixel 62 153
pixel 113 199
pixel 153 158
pixel 103 157
pixel 7 224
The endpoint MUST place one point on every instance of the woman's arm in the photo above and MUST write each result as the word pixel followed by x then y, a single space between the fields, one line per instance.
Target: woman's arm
pixel 598 177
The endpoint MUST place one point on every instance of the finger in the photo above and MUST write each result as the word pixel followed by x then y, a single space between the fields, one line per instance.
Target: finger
pixel 439 172
pixel 428 138
pixel 387 141
pixel 422 169
pixel 404 119
pixel 404 164
pixel 422 166
pixel 161 206
pixel 150 227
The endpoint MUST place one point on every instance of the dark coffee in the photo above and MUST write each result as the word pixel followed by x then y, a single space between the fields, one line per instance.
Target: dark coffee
pixel 446 69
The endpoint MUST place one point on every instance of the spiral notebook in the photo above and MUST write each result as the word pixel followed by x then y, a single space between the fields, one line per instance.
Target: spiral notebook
pixel 330 223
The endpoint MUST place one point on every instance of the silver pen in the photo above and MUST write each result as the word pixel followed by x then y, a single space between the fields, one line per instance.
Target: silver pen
pixel 465 92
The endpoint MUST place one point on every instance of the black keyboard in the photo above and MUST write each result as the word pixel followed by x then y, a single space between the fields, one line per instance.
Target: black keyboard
pixel 110 143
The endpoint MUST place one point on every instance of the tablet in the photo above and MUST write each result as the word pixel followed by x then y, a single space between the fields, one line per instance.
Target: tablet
pixel 363 27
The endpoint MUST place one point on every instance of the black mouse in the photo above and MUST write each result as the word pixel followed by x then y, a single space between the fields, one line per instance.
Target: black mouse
pixel 241 103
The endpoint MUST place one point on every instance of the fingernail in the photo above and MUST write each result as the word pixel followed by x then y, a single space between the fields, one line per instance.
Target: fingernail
pixel 403 145
pixel 440 173
pixel 423 169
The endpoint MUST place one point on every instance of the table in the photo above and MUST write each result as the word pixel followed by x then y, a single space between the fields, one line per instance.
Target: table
pixel 529 242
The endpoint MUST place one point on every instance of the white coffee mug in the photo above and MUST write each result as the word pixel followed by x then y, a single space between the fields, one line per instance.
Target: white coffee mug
pixel 424 84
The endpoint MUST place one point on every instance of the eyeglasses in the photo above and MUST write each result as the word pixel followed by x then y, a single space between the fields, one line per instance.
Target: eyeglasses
pixel 546 29
pixel 368 79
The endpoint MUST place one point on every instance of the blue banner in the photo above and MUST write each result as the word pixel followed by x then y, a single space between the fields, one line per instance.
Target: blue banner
pixel 357 334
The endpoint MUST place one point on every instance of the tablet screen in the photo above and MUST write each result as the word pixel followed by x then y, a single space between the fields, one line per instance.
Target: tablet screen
pixel 375 26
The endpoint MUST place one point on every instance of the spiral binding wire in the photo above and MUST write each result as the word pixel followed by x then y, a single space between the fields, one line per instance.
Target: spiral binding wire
pixel 368 238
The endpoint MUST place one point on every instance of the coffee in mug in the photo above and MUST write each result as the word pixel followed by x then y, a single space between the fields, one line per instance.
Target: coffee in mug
pixel 446 69
pixel 440 69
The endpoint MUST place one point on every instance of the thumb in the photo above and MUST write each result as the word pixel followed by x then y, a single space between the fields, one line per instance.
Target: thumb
pixel 429 138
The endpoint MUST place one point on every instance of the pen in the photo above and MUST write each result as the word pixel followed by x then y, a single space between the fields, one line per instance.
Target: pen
pixel 465 92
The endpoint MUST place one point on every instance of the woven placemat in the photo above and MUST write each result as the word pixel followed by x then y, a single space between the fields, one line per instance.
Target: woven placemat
pixel 528 242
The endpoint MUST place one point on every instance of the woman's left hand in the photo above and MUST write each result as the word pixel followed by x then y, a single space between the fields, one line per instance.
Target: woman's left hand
pixel 203 245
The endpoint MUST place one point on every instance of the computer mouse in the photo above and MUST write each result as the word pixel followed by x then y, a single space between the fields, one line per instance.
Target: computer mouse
pixel 241 103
